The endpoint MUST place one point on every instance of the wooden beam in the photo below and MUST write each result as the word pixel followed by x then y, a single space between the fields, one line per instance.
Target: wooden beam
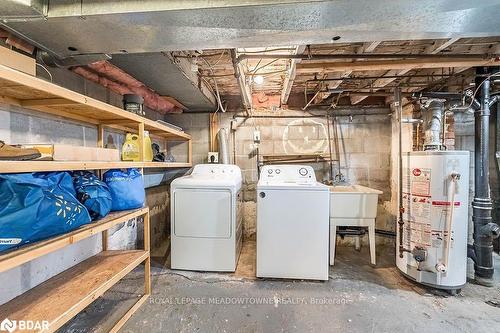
pixel 47 102
pixel 434 49
pixel 306 68
pixel 441 45
pixel 290 75
pixel 117 122
pixel 370 47
pixel 366 48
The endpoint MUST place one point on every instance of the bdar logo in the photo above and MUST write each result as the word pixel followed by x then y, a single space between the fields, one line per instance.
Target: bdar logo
pixel 8 325
pixel 417 172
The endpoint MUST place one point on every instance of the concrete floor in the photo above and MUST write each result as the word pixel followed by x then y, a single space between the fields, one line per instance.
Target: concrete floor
pixel 357 298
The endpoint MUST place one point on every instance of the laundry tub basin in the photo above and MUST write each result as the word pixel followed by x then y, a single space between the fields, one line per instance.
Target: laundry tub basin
pixel 353 202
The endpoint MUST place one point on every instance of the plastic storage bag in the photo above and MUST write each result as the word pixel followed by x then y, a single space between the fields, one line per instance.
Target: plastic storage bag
pixel 127 188
pixel 36 206
pixel 93 193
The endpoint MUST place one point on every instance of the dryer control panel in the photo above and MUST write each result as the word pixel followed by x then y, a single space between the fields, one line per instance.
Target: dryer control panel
pixel 288 173
pixel 216 170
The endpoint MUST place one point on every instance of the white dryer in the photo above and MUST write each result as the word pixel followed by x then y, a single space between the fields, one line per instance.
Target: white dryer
pixel 206 218
pixel 292 223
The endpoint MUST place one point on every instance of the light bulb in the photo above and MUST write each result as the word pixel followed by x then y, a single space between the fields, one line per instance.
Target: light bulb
pixel 259 79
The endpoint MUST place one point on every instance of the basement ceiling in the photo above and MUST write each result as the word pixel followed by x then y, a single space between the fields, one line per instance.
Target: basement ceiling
pixel 97 26
pixel 319 80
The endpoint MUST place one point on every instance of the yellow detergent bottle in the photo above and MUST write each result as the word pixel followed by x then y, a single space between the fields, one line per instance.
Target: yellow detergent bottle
pixel 130 149
pixel 148 149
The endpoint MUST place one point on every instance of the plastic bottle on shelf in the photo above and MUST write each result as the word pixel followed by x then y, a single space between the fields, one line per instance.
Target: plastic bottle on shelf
pixel 148 149
pixel 130 149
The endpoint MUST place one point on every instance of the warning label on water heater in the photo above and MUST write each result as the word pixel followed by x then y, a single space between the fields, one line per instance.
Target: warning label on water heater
pixel 417 205
pixel 420 180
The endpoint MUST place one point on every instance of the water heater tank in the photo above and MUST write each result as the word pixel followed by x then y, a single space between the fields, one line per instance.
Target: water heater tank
pixel 435 219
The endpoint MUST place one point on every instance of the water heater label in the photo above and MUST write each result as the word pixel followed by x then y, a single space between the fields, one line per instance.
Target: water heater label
pixel 417 205
pixel 420 180
pixel 418 234
pixel 438 236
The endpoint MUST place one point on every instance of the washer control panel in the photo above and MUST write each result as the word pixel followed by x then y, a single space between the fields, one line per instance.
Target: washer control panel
pixel 288 173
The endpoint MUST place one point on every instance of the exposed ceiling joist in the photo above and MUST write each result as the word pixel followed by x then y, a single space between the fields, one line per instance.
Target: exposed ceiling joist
pixel 434 49
pixel 367 48
pixel 370 47
pixel 308 68
pixel 290 75
pixel 239 73
pixel 440 46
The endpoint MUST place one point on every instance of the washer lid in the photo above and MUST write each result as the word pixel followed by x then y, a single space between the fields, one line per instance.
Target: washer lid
pixel 296 186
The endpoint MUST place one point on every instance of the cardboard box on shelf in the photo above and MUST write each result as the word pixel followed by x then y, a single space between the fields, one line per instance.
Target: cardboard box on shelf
pixel 58 152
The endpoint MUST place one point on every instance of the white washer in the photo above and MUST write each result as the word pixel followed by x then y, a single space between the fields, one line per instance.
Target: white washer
pixel 292 223
pixel 206 226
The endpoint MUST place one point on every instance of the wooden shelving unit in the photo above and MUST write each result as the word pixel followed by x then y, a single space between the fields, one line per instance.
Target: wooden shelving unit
pixel 26 91
pixel 60 298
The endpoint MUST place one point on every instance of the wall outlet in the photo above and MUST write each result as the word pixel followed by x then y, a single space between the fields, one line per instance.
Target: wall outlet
pixel 213 157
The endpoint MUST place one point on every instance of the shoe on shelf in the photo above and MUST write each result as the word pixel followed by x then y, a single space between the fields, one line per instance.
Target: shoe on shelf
pixel 11 153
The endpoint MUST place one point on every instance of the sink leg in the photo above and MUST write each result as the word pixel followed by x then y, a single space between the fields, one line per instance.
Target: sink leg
pixel 333 242
pixel 371 235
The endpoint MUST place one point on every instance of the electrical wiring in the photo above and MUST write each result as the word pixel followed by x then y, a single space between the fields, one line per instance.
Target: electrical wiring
pixel 263 66
pixel 217 95
pixel 46 71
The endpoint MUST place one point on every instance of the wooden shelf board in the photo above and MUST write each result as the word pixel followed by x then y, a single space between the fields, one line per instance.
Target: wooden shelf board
pixel 38 166
pixel 60 298
pixel 31 92
pixel 29 252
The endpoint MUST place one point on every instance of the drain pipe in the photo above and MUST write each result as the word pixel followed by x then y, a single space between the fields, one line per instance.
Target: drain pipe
pixel 223 147
pixel 484 228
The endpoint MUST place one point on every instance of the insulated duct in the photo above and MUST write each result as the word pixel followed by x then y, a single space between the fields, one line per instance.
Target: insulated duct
pixel 223 147
pixel 117 80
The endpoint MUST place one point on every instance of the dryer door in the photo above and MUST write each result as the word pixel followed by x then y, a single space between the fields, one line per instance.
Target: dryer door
pixel 202 213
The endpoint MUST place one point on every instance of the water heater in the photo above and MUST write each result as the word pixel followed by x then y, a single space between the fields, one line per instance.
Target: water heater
pixel 432 238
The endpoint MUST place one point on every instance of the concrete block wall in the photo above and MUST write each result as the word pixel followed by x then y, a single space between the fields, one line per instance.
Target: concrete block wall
pixel 364 144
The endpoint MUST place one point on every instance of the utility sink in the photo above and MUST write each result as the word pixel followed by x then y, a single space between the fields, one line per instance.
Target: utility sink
pixel 353 202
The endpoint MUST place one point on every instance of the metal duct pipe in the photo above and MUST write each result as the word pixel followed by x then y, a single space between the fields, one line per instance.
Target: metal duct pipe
pixel 434 125
pixel 377 56
pixel 223 147
pixel 484 228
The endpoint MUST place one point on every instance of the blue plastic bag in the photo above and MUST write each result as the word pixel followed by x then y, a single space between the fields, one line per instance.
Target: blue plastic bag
pixel 93 193
pixel 36 206
pixel 127 188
